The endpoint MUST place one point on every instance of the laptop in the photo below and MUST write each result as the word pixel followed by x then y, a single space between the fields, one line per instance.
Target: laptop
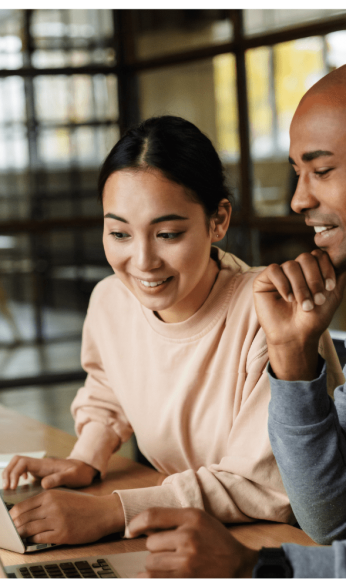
pixel 122 565
pixel 9 536
pixel 117 565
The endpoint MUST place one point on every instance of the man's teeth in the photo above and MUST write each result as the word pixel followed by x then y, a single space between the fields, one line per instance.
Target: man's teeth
pixel 322 228
pixel 152 283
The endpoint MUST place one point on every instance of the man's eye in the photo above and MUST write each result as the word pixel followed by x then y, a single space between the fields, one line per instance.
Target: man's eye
pixel 169 235
pixel 324 172
pixel 119 235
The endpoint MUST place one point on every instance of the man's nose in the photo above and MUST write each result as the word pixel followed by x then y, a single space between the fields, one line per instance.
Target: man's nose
pixel 303 198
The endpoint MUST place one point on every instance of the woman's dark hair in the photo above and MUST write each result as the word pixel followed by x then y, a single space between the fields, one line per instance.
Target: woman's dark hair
pixel 179 150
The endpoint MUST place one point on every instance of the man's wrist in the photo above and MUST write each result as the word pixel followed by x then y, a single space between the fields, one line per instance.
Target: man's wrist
pixel 249 561
pixel 294 361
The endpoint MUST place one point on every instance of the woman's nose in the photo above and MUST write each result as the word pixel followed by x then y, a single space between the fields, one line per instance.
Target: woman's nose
pixel 146 257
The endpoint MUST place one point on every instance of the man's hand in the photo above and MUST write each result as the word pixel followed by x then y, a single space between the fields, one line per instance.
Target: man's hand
pixel 54 472
pixel 295 303
pixel 62 517
pixel 189 543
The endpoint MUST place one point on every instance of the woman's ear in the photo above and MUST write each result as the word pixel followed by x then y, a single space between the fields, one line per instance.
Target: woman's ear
pixel 220 220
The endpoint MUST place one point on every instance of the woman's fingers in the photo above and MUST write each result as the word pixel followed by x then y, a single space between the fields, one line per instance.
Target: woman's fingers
pixel 18 466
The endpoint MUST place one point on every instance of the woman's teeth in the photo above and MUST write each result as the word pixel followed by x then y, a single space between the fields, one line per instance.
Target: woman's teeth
pixel 152 283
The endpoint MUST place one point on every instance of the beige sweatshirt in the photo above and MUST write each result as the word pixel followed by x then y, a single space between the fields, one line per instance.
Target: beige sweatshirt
pixel 195 393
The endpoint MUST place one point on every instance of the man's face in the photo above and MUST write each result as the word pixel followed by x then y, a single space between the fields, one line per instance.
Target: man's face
pixel 318 156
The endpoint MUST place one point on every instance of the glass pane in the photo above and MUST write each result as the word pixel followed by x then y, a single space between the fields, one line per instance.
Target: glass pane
pixel 77 98
pixel 70 38
pixel 14 152
pixel 226 107
pixel 81 98
pixel 42 59
pixel 204 93
pixel 264 20
pixel 336 49
pixel 11 46
pixel 106 97
pixel 158 32
pixel 12 100
pixel 52 98
pixel 275 87
pixel 291 82
pixel 14 195
pixel 70 25
pixel 54 148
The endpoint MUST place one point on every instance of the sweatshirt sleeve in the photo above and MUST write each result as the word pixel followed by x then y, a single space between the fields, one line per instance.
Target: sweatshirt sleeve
pixel 100 422
pixel 310 448
pixel 246 484
pixel 317 562
pixel 243 486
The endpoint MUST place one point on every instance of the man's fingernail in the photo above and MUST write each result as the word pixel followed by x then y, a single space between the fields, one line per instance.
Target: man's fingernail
pixel 307 305
pixel 330 284
pixel 319 298
pixel 290 297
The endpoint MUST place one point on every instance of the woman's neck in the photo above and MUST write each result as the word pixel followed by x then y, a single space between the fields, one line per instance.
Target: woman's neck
pixel 194 301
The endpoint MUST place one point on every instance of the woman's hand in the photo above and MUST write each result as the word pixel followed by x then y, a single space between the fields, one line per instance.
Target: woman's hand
pixel 189 543
pixel 53 471
pixel 62 517
pixel 295 303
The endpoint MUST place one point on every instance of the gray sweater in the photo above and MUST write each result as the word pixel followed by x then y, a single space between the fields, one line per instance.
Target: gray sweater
pixel 308 436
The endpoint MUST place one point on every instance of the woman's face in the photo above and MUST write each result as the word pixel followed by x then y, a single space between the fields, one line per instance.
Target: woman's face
pixel 157 242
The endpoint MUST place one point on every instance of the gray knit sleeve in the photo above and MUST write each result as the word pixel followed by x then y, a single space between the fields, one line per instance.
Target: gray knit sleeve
pixel 317 562
pixel 309 445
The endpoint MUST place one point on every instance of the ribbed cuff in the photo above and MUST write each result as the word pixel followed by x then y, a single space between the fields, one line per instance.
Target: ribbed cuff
pixel 310 562
pixel 95 445
pixel 299 402
pixel 136 500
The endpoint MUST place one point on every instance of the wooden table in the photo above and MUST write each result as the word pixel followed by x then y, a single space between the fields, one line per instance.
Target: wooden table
pixel 19 433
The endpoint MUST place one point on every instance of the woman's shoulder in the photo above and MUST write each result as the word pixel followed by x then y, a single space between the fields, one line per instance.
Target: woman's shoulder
pixel 109 290
pixel 245 275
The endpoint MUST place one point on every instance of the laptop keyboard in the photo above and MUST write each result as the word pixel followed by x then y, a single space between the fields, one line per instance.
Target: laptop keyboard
pixel 77 569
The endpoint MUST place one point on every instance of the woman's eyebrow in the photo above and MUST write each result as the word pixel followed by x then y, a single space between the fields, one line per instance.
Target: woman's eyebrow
pixel 114 217
pixel 166 218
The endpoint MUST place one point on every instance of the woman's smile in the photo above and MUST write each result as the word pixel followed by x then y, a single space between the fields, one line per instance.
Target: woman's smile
pixel 154 287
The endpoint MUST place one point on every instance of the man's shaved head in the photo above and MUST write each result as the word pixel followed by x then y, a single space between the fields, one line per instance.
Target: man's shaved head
pixel 328 91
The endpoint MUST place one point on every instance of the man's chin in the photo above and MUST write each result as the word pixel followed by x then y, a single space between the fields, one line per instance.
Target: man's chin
pixel 339 264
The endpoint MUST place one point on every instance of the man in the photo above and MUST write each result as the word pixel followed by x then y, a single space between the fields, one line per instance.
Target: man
pixel 295 304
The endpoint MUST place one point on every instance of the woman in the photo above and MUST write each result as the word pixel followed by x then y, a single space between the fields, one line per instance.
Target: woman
pixel 173 351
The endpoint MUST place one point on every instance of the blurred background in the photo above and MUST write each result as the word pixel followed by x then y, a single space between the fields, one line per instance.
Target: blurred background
pixel 71 81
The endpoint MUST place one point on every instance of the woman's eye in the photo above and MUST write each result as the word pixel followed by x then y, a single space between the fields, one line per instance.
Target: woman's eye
pixel 169 235
pixel 119 235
